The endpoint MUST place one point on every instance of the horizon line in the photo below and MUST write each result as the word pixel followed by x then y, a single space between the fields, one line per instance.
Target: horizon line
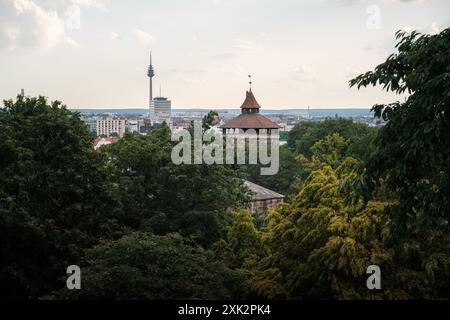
pixel 220 108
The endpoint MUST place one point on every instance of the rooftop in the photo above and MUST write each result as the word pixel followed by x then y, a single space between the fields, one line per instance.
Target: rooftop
pixel 250 101
pixel 160 98
pixel 261 193
pixel 250 121
pixel 99 142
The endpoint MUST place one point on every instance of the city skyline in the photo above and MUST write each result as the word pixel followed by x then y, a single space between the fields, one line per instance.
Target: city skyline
pixel 94 53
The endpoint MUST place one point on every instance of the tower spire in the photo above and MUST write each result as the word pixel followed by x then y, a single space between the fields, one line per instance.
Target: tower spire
pixel 150 75
pixel 250 82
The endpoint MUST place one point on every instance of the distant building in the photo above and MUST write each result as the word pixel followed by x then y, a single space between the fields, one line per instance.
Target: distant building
pixel 163 108
pixel 179 124
pixel 108 126
pixel 263 199
pixel 91 123
pixel 146 126
pixel 132 126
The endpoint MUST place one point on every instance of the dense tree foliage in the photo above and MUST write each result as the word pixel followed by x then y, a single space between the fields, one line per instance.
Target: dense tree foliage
pixel 54 195
pixel 412 152
pixel 359 136
pixel 210 119
pixel 330 150
pixel 59 197
pixel 319 246
pixel 287 180
pixel 242 246
pixel 146 266
pixel 161 197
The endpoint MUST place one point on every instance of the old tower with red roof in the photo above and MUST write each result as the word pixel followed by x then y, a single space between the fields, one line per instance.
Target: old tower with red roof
pixel 250 118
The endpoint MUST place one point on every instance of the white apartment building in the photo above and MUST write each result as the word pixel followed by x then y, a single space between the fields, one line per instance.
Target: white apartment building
pixel 108 126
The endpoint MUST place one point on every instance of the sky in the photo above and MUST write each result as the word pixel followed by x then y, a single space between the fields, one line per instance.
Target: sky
pixel 300 53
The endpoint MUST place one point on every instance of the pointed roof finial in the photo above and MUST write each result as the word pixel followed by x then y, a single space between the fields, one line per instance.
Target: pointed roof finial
pixel 250 101
pixel 250 82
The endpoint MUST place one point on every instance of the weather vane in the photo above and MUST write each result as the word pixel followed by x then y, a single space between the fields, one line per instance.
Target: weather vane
pixel 250 81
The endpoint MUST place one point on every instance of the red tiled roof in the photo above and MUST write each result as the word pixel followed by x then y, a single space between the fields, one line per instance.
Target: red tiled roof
pixel 103 141
pixel 250 121
pixel 250 101
pixel 106 139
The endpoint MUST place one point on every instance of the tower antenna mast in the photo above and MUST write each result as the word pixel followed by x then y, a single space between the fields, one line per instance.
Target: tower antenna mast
pixel 150 75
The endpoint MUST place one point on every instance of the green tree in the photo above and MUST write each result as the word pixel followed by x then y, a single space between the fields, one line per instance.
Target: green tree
pixel 359 136
pixel 413 149
pixel 328 151
pixel 320 248
pixel 287 180
pixel 320 245
pixel 145 266
pixel 55 196
pixel 242 246
pixel 210 120
pixel 241 250
pixel 161 197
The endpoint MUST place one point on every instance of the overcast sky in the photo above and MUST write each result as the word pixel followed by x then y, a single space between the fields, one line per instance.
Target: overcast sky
pixel 94 53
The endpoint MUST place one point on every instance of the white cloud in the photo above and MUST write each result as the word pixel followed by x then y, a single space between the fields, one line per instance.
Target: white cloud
pixel 40 24
pixel 61 5
pixel 367 2
pixel 406 1
pixel 247 48
pixel 350 73
pixel 70 42
pixel 143 37
pixel 114 36
pixel 99 4
pixel 434 28
pixel 24 23
pixel 244 44
pixel 302 73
